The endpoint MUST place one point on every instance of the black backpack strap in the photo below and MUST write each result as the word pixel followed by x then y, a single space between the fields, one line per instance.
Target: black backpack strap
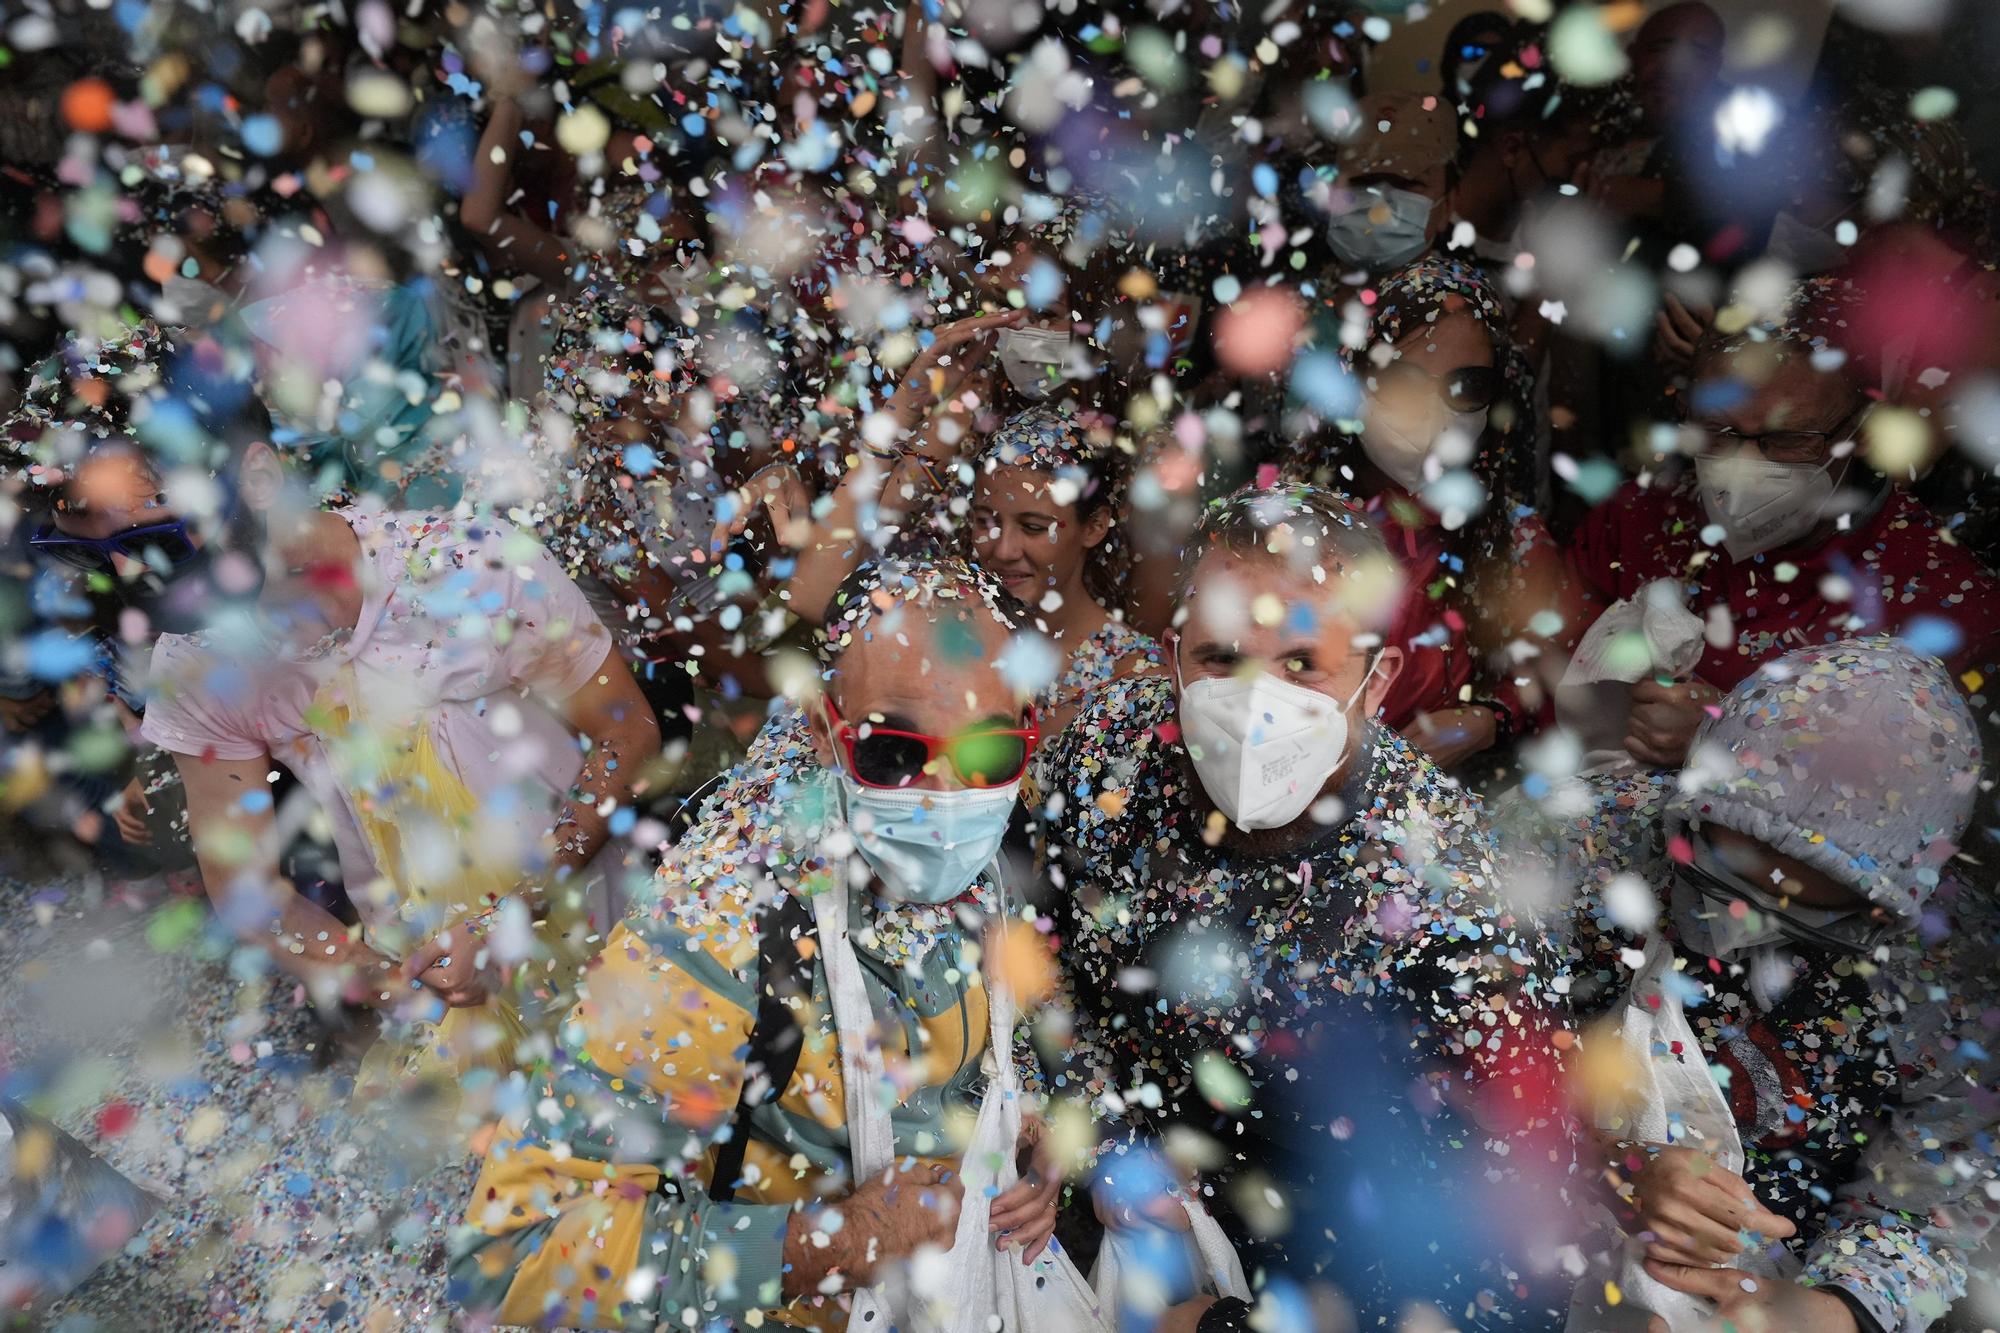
pixel 775 1037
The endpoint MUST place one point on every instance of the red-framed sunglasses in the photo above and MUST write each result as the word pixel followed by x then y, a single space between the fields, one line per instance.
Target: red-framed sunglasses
pixel 980 756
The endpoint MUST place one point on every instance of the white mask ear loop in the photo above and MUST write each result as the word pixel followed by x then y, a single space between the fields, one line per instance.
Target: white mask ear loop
pixel 1362 688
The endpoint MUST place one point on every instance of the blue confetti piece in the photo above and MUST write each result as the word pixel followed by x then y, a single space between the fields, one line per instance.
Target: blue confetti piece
pixel 1323 384
pixel 262 135
pixel 55 656
pixel 1933 636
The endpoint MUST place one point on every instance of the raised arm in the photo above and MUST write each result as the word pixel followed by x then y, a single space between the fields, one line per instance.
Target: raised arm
pixel 896 448
pixel 511 242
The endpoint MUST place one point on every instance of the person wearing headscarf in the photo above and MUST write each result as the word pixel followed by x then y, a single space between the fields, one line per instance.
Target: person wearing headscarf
pixel 1795 903
pixel 1782 533
pixel 680 1159
pixel 1440 451
pixel 1285 958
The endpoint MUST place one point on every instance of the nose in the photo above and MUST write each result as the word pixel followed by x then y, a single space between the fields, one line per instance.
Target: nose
pixel 1006 543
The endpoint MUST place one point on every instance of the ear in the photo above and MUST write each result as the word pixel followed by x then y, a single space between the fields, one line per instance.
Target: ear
pixel 1097 527
pixel 1388 666
pixel 260 477
pixel 820 726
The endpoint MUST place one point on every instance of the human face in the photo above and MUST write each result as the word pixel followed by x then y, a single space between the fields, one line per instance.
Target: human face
pixel 927 671
pixel 1536 163
pixel 112 493
pixel 1033 542
pixel 1429 397
pixel 173 579
pixel 1676 58
pixel 1769 399
pixel 1784 876
pixel 1441 362
pixel 1247 614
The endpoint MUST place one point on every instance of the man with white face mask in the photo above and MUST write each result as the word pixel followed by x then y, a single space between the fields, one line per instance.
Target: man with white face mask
pixel 1783 531
pixel 1383 209
pixel 1249 857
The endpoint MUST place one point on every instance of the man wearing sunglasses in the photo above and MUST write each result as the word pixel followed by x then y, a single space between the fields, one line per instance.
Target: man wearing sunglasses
pixel 1831 953
pixel 1783 531
pixel 684 1077
pixel 1284 947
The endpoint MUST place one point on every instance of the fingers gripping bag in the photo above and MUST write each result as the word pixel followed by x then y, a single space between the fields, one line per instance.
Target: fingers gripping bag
pixel 1673 1098
pixel 1651 634
pixel 971 1288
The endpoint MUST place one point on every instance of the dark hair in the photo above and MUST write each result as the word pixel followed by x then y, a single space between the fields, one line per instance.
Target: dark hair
pixel 1295 521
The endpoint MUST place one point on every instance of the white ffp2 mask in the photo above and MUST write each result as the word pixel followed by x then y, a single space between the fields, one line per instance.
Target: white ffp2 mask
pixel 1263 747
pixel 1761 505
pixel 1034 359
pixel 1401 453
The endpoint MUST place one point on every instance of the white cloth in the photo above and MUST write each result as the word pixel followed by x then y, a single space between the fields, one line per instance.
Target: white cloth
pixel 1650 634
pixel 471 632
pixel 966 1288
pixel 1675 1099
pixel 1120 1281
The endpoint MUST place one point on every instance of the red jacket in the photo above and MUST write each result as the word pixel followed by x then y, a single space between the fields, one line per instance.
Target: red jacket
pixel 1888 571
pixel 1432 627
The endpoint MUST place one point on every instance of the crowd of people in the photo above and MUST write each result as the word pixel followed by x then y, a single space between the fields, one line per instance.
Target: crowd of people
pixel 961 667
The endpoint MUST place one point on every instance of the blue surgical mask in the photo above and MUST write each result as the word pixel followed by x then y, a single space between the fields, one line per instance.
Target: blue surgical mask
pixel 1362 240
pixel 927 846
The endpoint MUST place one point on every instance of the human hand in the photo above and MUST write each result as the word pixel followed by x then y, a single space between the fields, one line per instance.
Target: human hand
pixel 453 964
pixel 1680 327
pixel 18 715
pixel 131 816
pixel 1455 735
pixel 1696 1211
pixel 885 1218
pixel 1665 716
pixel 939 371
pixel 371 978
pixel 782 492
pixel 1746 1304
pixel 1025 1212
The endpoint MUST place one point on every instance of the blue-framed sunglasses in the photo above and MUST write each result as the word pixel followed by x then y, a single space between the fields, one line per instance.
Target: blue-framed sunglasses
pixel 170 539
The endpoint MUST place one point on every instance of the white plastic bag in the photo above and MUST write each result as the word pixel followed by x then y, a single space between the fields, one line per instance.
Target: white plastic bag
pixel 1121 1279
pixel 1677 1101
pixel 1651 634
pixel 967 1288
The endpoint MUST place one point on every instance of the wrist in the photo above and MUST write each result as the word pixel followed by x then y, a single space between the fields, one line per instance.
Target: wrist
pixel 811 1252
pixel 1838 1310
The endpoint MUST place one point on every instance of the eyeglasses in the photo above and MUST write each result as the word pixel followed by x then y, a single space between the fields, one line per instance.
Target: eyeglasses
pixel 981 756
pixel 1784 446
pixel 1467 389
pixel 171 540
